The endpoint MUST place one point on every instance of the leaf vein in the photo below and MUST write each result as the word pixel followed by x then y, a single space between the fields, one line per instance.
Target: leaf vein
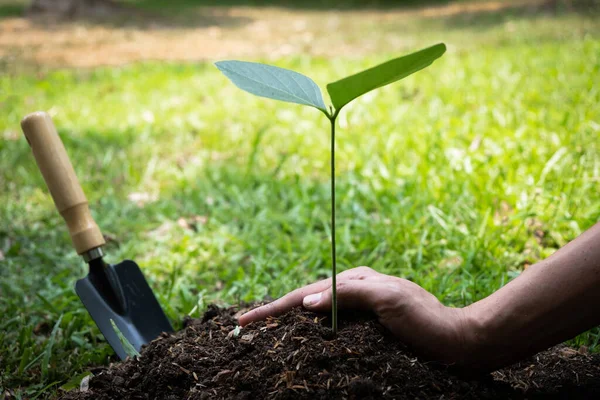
pixel 267 85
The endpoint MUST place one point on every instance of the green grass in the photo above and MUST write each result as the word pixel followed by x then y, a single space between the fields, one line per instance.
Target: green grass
pixel 455 178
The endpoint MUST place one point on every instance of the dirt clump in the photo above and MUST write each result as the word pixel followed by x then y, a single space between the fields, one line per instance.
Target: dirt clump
pixel 296 357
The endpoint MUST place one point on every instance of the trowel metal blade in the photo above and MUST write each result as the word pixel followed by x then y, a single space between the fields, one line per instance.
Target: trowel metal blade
pixel 142 320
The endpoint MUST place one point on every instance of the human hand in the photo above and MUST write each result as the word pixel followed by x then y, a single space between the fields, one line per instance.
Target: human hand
pixel 411 313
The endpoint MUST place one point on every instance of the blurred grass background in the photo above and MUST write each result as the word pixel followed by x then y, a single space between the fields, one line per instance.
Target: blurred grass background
pixel 457 178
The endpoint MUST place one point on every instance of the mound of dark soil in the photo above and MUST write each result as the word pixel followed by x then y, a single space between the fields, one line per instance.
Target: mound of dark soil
pixel 295 357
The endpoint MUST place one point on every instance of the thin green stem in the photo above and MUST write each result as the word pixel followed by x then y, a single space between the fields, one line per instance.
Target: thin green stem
pixel 334 266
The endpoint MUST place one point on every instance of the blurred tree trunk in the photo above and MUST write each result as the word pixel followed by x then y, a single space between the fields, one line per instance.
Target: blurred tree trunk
pixel 73 8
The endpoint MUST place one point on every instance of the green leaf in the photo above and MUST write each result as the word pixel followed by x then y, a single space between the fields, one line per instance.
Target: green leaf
pixel 345 90
pixel 48 351
pixel 127 346
pixel 273 82
pixel 24 360
pixel 43 390
pixel 75 381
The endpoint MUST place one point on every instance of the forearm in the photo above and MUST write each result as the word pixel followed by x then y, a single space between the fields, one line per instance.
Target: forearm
pixel 550 302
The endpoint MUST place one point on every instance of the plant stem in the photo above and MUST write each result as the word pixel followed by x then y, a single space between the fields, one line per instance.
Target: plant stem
pixel 334 266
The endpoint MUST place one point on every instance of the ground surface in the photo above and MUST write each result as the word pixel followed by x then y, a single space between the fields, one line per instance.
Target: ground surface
pixel 155 31
pixel 457 178
pixel 295 357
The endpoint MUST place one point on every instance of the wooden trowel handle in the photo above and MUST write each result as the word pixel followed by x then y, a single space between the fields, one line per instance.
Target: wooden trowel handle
pixel 54 163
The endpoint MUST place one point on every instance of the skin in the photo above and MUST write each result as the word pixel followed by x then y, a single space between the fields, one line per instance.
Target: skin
pixel 550 302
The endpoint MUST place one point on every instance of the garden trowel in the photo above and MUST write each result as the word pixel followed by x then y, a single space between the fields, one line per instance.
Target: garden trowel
pixel 109 292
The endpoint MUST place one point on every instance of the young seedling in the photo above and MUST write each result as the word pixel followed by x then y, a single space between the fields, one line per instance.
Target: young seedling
pixel 285 85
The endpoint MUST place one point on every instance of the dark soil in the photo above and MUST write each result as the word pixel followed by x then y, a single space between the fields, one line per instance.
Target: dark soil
pixel 295 357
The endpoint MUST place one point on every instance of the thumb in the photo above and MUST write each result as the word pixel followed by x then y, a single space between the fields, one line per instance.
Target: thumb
pixel 354 294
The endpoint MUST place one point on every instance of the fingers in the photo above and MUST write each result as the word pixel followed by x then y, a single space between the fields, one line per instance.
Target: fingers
pixel 351 294
pixel 295 298
pixel 283 304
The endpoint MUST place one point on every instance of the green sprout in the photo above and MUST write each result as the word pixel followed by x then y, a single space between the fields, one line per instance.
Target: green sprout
pixel 285 85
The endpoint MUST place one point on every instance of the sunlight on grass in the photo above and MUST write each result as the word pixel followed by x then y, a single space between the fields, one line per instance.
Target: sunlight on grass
pixel 457 178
